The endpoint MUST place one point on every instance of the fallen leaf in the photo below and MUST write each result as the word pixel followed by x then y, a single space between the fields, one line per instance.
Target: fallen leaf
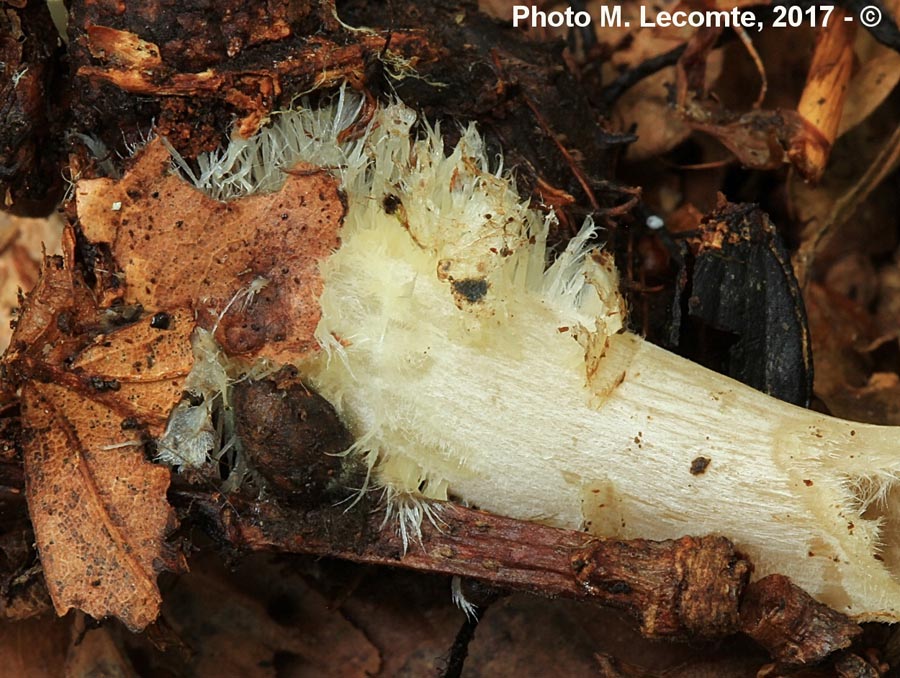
pixel 90 396
pixel 659 127
pixel 50 322
pixel 875 80
pixel 839 329
pixel 100 514
pixel 203 257
pixel 646 106
pixel 847 210
pixel 143 365
pixel 21 240
pixel 96 383
pixel 887 313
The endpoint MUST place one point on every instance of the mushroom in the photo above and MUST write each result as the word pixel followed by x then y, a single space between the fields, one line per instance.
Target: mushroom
pixel 467 368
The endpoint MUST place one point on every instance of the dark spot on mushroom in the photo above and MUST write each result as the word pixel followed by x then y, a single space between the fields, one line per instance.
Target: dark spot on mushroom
pixel 807 482
pixel 471 289
pixel 390 203
pixel 699 465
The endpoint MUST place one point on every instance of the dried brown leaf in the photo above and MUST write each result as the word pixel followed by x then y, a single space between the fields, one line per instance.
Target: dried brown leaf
pixel 50 321
pixel 875 80
pixel 887 313
pixel 99 512
pixel 822 102
pixel 145 367
pixel 90 395
pixel 838 328
pixel 91 392
pixel 839 215
pixel 21 240
pixel 200 258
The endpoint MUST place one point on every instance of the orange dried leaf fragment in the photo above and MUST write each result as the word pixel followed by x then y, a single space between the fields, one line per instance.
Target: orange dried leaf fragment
pixel 91 393
pixel 179 248
pixel 142 366
pixel 99 511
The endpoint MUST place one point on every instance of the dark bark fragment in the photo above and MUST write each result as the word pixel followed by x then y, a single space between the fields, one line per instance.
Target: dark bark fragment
pixel 31 106
pixel 191 67
pixel 23 593
pixel 742 283
pixel 734 304
pixel 252 91
pixel 519 91
pixel 22 590
pixel 196 35
pixel 640 576
pixel 854 666
pixel 793 627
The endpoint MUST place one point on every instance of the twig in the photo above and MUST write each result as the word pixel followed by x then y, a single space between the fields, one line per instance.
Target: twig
pixel 632 76
pixel 692 587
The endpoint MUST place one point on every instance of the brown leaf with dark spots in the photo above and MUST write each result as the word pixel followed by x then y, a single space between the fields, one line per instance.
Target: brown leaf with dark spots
pixel 91 393
pixel 141 367
pixel 99 511
pixel 51 319
pixel 178 248
pixel 21 242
